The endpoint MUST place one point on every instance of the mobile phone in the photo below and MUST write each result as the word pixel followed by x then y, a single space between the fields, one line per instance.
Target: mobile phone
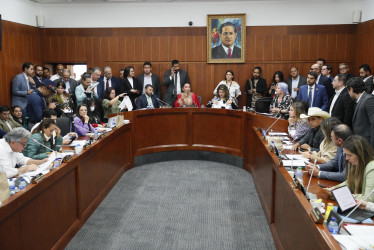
pixel 72 138
pixel 322 186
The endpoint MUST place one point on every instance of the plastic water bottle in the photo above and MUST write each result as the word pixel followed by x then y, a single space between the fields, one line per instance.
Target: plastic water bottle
pixel 202 106
pixel 333 226
pixel 299 174
pixel 12 187
pixel 244 108
pixel 22 184
pixel 96 132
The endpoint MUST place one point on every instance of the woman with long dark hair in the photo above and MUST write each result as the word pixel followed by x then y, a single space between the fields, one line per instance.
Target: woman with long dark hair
pixel 130 85
pixel 43 135
pixel 82 124
pixel 360 172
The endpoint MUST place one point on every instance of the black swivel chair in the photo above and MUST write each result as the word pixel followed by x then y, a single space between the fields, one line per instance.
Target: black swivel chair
pixel 262 105
pixel 64 124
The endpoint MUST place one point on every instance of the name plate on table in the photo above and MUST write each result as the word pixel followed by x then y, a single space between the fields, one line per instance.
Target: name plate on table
pixel 317 216
pixel 66 158
pixel 37 178
pixel 296 183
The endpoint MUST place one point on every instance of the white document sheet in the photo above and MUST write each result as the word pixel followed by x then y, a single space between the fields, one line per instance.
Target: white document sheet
pixel 297 157
pixel 76 142
pixel 293 163
pixel 126 102
pixel 277 133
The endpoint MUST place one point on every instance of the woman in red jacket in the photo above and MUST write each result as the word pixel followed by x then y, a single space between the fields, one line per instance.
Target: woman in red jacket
pixel 187 97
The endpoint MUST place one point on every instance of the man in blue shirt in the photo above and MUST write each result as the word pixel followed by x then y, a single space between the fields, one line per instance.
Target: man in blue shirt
pixel 36 102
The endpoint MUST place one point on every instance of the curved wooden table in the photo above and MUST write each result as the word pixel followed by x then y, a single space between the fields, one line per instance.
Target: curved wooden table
pixel 48 215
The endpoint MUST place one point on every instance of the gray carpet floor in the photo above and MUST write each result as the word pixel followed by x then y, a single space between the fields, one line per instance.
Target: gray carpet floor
pixel 178 205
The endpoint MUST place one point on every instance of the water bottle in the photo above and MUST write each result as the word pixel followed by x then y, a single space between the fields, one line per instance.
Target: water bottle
pixel 299 174
pixel 202 106
pixel 22 184
pixel 96 132
pixel 12 186
pixel 244 108
pixel 184 106
pixel 333 226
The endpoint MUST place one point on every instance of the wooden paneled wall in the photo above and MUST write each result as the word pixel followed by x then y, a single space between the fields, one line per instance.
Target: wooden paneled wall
pixel 21 43
pixel 365 44
pixel 272 47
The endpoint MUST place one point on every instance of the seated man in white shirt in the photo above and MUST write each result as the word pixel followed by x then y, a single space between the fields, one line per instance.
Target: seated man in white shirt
pixel 11 148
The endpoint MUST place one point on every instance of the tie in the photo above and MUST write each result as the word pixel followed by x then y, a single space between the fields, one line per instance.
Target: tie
pixel 176 82
pixel 310 98
pixel 149 101
pixel 230 55
pixel 341 160
pixel 107 84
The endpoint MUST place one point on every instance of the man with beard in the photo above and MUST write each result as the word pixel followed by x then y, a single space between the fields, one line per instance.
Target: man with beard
pixel 38 77
pixel 295 82
pixel 365 74
pixel 256 87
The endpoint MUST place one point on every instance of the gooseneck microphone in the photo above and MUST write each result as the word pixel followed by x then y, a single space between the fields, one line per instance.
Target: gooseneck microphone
pixel 167 104
pixel 42 145
pixel 311 175
pixel 272 124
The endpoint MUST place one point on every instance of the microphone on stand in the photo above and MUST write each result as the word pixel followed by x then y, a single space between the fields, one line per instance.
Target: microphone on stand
pixel 354 209
pixel 272 125
pixel 311 175
pixel 42 145
pixel 166 104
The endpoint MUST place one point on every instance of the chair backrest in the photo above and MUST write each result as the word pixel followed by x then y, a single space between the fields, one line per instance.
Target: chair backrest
pixel 262 105
pixel 199 97
pixel 64 124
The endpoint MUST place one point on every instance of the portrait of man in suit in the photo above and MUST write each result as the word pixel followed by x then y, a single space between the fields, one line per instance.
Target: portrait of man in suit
pixel 226 36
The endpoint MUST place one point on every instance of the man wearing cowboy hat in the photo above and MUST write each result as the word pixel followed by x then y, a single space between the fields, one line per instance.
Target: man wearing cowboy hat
pixel 36 102
pixel 314 137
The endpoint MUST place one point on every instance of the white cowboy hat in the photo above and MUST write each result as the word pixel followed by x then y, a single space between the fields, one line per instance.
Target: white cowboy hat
pixel 316 112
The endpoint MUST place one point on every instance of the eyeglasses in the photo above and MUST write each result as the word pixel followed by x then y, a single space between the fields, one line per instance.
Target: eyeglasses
pixel 342 68
pixel 22 143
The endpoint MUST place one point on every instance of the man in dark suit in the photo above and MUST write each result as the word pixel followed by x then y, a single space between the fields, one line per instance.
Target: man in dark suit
pixel 295 82
pixel 363 117
pixel 70 83
pixel 148 100
pixel 314 94
pixel 227 48
pixel 321 79
pixel 365 74
pixel 107 81
pixel 333 170
pixel 21 88
pixel 174 79
pixel 344 69
pixel 38 77
pixel 149 78
pixel 326 71
pixel 341 104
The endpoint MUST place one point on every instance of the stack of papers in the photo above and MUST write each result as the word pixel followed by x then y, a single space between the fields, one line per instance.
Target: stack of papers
pixel 277 133
pixel 361 237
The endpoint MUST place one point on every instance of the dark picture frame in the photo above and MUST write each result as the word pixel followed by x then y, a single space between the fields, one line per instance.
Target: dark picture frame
pixel 226 38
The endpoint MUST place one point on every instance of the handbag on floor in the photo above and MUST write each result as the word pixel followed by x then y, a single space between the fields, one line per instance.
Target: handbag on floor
pixel 4 186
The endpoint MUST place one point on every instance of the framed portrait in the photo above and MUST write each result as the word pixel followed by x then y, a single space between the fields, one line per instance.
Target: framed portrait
pixel 226 36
